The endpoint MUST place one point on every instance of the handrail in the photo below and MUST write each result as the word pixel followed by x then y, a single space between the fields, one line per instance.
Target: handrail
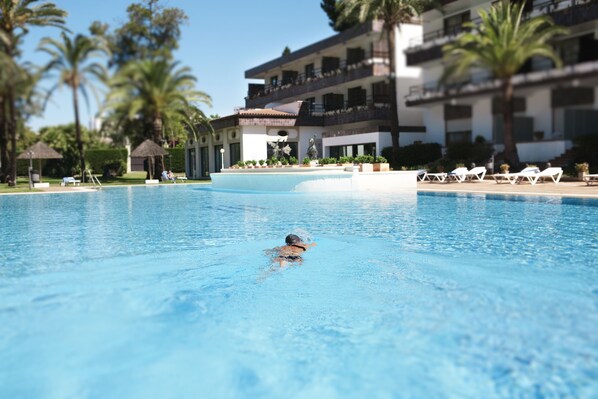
pixel 93 179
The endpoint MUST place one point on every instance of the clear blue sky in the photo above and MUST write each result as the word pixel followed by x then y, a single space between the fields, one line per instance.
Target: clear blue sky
pixel 221 40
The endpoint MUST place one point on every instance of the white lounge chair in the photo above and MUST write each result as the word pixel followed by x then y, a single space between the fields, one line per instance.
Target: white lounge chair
pixel 514 178
pixel 70 180
pixel 422 175
pixel 553 173
pixel 478 172
pixel 456 174
pixel 591 179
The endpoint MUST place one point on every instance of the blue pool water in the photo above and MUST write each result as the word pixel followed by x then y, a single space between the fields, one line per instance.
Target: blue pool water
pixel 167 292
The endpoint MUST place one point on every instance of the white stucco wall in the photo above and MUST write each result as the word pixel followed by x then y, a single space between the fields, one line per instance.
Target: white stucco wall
pixel 434 122
pixel 542 151
pixel 538 107
pixel 254 143
pixel 481 119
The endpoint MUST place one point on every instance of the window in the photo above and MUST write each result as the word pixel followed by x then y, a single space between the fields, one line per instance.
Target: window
pixel 381 92
pixel 333 101
pixel 355 55
pixel 352 150
pixel 356 96
pixel 310 71
pixel 274 80
pixel 330 64
pixel 289 77
pixel 204 162
pixel 454 24
pixel 235 153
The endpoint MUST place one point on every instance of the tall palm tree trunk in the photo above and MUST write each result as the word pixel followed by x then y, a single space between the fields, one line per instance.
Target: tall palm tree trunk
pixel 511 156
pixel 394 104
pixel 157 125
pixel 12 132
pixel 3 142
pixel 78 133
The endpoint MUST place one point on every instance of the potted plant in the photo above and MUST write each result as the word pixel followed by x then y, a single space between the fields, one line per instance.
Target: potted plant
pixel 294 162
pixel 262 162
pixel 306 162
pixel 365 163
pixel 504 168
pixel 241 164
pixel 284 162
pixel 582 170
pixel 381 164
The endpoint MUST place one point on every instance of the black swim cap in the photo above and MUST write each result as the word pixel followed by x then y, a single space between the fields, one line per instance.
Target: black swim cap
pixel 292 239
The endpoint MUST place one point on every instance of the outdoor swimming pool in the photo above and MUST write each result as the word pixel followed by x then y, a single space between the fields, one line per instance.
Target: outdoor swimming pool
pixel 166 292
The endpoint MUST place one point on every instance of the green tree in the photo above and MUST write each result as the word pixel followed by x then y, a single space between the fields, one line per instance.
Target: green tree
pixel 501 44
pixel 16 17
pixel 72 59
pixel 150 32
pixel 156 91
pixel 392 13
pixel 332 8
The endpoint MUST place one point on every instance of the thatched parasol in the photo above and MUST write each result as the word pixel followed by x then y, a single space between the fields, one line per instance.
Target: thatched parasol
pixel 150 150
pixel 39 150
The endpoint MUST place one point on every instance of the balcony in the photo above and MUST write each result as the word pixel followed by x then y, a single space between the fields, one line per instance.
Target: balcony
pixel 374 65
pixel 482 83
pixel 368 111
pixel 565 13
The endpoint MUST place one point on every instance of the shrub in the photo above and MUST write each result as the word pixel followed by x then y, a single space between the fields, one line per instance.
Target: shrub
pixel 176 159
pixel 364 159
pixel 241 164
pixel 111 162
pixel 345 160
pixel 306 161
pixel 381 159
pixel 293 161
pixel 415 154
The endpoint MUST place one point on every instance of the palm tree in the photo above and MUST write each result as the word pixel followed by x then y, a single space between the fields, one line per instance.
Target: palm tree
pixel 153 90
pixel 501 44
pixel 16 16
pixel 71 59
pixel 391 13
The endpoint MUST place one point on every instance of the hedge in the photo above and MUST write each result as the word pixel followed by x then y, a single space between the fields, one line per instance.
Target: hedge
pixel 176 160
pixel 111 162
pixel 415 154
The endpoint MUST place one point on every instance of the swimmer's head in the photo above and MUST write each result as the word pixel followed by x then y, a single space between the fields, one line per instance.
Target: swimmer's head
pixel 293 239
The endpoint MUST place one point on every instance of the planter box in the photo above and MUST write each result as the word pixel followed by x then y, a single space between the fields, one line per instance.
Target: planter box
pixel 152 181
pixel 381 167
pixel 366 167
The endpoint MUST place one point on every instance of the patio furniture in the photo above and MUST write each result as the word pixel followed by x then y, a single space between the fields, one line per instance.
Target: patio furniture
pixel 479 172
pixel 515 178
pixel 70 180
pixel 591 179
pixel 422 175
pixel 457 174
pixel 553 173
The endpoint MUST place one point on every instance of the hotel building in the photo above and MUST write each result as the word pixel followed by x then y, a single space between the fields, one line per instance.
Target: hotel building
pixel 552 106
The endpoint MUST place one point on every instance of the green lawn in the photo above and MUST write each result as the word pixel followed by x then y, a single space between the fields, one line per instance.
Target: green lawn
pixel 132 178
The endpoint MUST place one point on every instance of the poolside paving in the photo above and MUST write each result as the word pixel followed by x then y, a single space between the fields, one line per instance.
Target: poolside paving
pixel 563 189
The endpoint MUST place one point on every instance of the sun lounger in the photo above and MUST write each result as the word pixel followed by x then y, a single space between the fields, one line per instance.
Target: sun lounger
pixel 591 179
pixel 479 172
pixel 515 178
pixel 457 175
pixel 422 175
pixel 70 180
pixel 552 173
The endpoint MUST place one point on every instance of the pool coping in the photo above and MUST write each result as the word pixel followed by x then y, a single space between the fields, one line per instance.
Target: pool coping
pixel 563 189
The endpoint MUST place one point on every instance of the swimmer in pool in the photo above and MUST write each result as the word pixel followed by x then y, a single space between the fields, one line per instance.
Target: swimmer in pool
pixel 293 251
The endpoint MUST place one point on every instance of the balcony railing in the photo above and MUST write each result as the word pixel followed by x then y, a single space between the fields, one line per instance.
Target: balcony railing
pixel 320 79
pixel 350 112
pixel 541 72
pixel 563 12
